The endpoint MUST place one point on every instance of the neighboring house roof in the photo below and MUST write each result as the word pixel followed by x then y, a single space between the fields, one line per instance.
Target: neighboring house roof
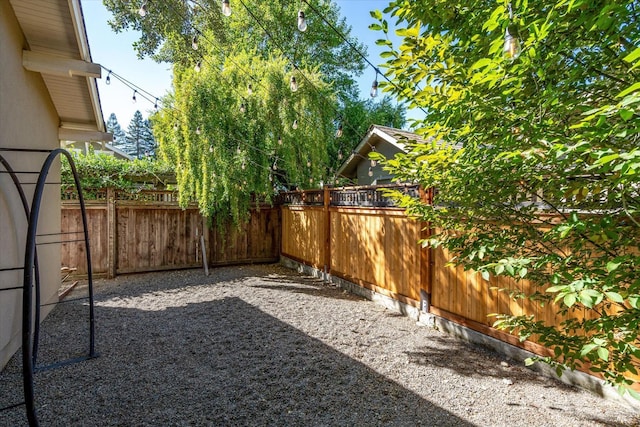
pixel 98 147
pixel 58 48
pixel 375 135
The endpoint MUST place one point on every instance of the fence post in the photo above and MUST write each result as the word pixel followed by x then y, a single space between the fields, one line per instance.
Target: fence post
pixel 111 233
pixel 327 232
pixel 426 256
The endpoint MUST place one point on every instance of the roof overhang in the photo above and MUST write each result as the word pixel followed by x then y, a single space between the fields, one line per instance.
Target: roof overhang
pixel 58 49
pixel 373 137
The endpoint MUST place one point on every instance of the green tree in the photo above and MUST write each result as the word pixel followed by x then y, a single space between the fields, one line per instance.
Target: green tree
pixel 169 27
pixel 227 147
pixel 546 184
pixel 140 140
pixel 113 127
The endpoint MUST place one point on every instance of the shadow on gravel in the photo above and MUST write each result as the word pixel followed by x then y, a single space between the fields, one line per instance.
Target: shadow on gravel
pixel 438 353
pixel 230 364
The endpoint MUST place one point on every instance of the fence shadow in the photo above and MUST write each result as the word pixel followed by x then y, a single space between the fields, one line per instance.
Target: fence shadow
pixel 229 363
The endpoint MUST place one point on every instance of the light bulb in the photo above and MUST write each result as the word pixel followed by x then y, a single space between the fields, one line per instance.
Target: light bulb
pixel 175 126
pixel 340 156
pixel 211 148
pixel 374 88
pixel 270 178
pixel 370 172
pixel 280 140
pixel 295 124
pixel 155 106
pixel 198 130
pixel 511 48
pixel 293 84
pixel 243 165
pixel 226 8
pixel 308 163
pixel 197 67
pixel 310 180
pixel 194 42
pixel 243 108
pixel 339 131
pixel 143 9
pixel 108 79
pixel 302 22
pixel 133 98
pixel 238 150
pixel 249 88
pixel 275 166
pixel 373 163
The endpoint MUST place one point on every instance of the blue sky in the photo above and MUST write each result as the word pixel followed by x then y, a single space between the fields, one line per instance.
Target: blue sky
pixel 115 52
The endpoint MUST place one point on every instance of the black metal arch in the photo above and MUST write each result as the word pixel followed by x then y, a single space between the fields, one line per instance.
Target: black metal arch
pixel 31 332
pixel 25 207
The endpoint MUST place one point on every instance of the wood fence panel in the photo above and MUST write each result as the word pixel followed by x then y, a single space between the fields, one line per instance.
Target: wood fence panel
pixel 155 237
pixel 256 241
pixel 73 254
pixel 303 234
pixel 377 248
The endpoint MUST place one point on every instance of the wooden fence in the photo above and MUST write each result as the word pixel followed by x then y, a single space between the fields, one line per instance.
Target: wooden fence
pixel 357 235
pixel 148 231
pixel 376 246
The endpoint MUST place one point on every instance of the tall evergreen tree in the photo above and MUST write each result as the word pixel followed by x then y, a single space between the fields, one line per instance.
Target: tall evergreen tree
pixel 113 127
pixel 140 141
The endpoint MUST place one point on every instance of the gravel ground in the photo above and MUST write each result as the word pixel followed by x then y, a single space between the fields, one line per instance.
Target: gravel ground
pixel 262 345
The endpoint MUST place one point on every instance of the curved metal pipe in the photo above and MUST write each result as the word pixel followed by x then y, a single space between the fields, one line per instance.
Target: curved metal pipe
pixel 29 260
pixel 25 206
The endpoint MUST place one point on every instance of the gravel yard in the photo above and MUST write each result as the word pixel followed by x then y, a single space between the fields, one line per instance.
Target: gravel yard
pixel 262 345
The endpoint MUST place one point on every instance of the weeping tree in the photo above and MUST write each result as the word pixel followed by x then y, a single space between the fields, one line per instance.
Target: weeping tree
pixel 533 122
pixel 229 125
pixel 229 143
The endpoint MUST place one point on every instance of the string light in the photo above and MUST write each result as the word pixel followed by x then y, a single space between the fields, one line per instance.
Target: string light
pixel 295 124
pixel 143 9
pixel 374 86
pixel 133 98
pixel 175 126
pixel 373 163
pixel 194 42
pixel 511 48
pixel 340 155
pixel 370 172
pixel 308 162
pixel 293 84
pixel 197 67
pixel 339 131
pixel 243 108
pixel 226 8
pixel 198 131
pixel 155 106
pixel 108 79
pixel 211 149
pixel 275 165
pixel 250 89
pixel 302 22
pixel 280 140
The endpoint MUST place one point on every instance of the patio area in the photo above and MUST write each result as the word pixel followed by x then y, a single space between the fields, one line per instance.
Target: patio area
pixel 262 345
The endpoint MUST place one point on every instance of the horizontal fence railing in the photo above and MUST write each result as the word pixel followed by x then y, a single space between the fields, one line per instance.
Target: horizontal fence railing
pixel 364 196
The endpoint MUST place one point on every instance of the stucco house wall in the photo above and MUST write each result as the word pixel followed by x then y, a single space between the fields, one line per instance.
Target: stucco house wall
pixel 28 119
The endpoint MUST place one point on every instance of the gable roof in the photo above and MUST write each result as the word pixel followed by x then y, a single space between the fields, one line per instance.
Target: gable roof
pixel 375 135
pixel 58 48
